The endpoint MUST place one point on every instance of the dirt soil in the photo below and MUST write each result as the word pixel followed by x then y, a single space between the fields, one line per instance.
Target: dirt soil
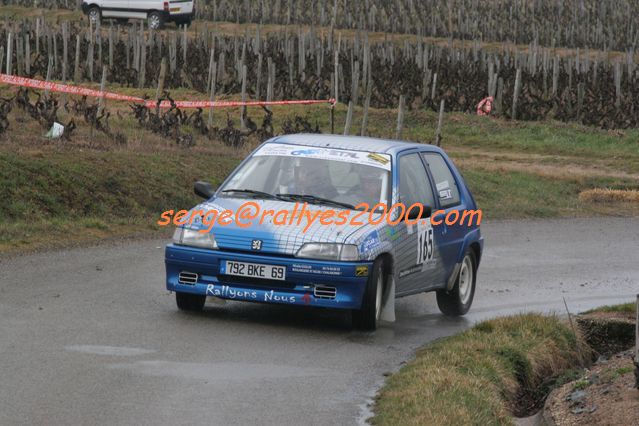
pixel 605 395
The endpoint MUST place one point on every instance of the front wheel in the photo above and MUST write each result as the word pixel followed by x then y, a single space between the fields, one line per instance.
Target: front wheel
pixel 457 301
pixel 367 318
pixel 155 20
pixel 190 302
pixel 94 15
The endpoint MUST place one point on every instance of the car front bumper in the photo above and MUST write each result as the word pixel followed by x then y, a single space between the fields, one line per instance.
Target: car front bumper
pixel 308 282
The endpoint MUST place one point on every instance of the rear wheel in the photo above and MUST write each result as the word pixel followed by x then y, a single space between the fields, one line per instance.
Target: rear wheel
pixel 190 302
pixel 367 318
pixel 457 301
pixel 94 15
pixel 155 20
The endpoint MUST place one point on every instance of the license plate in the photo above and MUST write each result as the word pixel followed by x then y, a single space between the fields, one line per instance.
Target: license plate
pixel 253 270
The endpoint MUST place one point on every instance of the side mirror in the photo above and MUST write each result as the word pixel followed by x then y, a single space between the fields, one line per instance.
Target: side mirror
pixel 203 189
pixel 414 213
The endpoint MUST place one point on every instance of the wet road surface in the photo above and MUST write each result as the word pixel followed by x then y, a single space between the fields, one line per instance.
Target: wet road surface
pixel 90 335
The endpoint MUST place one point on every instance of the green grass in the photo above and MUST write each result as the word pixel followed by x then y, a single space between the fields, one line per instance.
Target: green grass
pixel 69 196
pixel 627 308
pixel 581 384
pixel 624 370
pixel 476 377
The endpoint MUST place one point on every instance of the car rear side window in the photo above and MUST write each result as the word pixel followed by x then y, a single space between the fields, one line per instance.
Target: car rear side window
pixel 414 184
pixel 444 181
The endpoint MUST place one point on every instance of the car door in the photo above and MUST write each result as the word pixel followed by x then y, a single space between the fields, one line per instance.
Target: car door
pixel 416 255
pixel 139 8
pixel 451 233
pixel 114 8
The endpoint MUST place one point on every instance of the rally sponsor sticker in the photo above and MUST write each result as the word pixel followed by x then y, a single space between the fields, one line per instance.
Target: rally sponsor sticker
pixel 381 161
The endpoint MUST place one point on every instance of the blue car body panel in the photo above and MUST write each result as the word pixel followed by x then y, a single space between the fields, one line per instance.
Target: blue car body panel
pixel 279 244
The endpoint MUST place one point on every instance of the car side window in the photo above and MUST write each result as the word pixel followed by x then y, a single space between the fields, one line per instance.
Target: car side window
pixel 445 183
pixel 414 184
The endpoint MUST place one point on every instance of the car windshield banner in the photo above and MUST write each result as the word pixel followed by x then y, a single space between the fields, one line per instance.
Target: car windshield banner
pixel 358 157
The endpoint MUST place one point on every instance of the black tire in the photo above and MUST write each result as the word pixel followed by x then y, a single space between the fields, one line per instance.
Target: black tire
pixel 367 317
pixel 155 20
pixel 190 302
pixel 94 14
pixel 457 302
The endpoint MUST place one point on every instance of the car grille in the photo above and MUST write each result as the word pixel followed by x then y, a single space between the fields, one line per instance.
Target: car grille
pixel 186 277
pixel 325 292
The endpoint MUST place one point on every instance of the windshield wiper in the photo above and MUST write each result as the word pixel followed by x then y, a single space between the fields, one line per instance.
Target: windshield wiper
pixel 315 200
pixel 254 192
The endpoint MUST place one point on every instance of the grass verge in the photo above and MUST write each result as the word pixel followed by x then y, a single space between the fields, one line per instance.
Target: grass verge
pixel 481 375
pixel 61 198
pixel 625 308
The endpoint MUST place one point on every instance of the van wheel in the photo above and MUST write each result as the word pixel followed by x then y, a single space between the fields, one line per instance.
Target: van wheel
pixel 94 15
pixel 457 301
pixel 155 20
pixel 367 318
pixel 190 302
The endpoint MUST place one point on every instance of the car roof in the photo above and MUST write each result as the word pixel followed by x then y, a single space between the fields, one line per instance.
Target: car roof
pixel 355 143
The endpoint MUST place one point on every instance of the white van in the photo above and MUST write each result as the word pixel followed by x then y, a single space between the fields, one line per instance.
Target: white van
pixel 156 12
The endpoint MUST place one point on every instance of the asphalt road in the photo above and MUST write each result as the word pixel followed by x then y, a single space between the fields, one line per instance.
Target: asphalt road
pixel 90 335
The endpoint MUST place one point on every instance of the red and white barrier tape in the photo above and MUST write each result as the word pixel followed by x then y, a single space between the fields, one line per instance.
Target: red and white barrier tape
pixel 83 91
pixel 64 88
pixel 228 104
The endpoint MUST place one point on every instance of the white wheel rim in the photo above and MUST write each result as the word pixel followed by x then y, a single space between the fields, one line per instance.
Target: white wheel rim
pixel 465 280
pixel 154 22
pixel 94 15
pixel 378 296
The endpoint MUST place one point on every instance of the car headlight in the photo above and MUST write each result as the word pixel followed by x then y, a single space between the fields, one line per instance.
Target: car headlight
pixel 194 238
pixel 329 251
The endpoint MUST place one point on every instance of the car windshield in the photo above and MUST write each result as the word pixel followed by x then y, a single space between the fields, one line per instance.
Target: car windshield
pixel 314 175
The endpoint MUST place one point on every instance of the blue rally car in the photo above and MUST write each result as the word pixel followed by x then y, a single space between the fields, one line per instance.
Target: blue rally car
pixel 359 266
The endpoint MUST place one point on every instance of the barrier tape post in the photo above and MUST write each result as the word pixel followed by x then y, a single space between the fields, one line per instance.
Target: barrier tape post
pixel 332 117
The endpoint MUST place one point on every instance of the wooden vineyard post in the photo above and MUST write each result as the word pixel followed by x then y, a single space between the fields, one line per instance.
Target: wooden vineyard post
pixel 161 79
pixel 9 52
pixel 111 46
pixel 65 51
pixel 516 94
pixel 440 122
pixel 49 71
pixel 27 54
pixel 332 119
pixel 76 68
pixel 212 96
pixel 90 54
pixel 367 102
pixel 243 108
pixel 142 59
pixel 102 103
pixel 400 117
pixel 349 118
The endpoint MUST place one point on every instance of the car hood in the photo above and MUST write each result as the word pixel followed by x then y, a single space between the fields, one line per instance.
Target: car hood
pixel 282 233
